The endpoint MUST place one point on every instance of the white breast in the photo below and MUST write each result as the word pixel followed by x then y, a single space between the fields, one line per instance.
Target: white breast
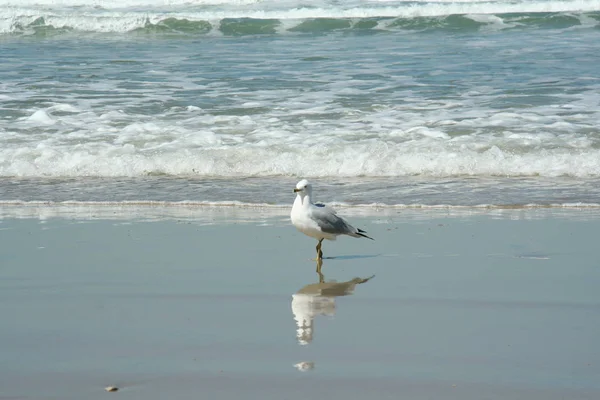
pixel 301 219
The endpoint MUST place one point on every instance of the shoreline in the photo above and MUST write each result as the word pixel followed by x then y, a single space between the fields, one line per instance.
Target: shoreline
pixel 400 192
pixel 233 212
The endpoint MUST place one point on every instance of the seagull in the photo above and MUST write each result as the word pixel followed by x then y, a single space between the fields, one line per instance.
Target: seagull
pixel 318 220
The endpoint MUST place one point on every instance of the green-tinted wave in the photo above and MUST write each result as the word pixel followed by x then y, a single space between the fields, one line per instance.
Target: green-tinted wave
pixel 39 28
pixel 544 20
pixel 253 26
pixel 322 25
pixel 247 26
pixel 174 25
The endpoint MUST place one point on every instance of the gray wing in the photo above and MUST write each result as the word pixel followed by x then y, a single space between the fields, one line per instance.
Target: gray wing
pixel 330 222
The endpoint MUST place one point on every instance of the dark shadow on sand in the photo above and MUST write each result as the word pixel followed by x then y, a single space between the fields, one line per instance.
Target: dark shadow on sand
pixel 352 257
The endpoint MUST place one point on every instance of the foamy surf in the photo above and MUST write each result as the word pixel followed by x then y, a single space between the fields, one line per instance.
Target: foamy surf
pixel 265 214
pixel 357 208
pixel 405 105
pixel 270 17
pixel 427 159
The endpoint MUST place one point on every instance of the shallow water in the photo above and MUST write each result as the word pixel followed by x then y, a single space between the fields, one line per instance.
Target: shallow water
pixel 277 192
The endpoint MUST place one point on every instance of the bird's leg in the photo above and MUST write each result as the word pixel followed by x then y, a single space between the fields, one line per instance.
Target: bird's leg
pixel 319 265
pixel 319 252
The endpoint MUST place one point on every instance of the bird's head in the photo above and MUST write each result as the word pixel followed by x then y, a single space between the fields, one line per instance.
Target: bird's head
pixel 303 188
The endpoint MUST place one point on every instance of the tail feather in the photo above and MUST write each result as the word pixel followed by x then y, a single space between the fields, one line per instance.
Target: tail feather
pixel 360 232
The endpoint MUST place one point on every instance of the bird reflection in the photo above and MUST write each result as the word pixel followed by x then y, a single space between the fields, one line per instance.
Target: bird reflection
pixel 318 299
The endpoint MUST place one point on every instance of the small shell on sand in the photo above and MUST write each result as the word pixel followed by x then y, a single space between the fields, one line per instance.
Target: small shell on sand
pixel 111 388
pixel 305 366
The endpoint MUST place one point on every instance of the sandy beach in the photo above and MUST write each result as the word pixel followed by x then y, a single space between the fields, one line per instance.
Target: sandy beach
pixel 149 152
pixel 226 304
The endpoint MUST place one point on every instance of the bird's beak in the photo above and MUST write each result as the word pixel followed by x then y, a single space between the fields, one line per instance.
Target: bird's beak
pixel 297 190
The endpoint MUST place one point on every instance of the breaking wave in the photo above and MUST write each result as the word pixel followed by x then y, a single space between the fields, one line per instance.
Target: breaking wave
pixel 238 18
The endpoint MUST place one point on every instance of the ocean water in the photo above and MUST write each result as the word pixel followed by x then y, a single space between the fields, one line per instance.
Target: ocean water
pixel 380 103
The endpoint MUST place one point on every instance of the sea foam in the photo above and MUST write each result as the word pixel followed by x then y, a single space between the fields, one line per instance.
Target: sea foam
pixel 31 16
pixel 429 157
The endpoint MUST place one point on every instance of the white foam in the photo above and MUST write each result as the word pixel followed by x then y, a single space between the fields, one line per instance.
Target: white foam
pixel 381 125
pixel 493 22
pixel 206 214
pixel 283 209
pixel 208 158
pixel 108 4
pixel 292 138
pixel 127 15
pixel 63 108
pixel 41 117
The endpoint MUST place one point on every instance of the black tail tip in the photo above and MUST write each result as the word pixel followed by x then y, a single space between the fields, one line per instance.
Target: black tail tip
pixel 362 234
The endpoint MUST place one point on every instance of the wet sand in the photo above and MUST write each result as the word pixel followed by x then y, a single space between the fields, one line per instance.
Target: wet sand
pixel 213 304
